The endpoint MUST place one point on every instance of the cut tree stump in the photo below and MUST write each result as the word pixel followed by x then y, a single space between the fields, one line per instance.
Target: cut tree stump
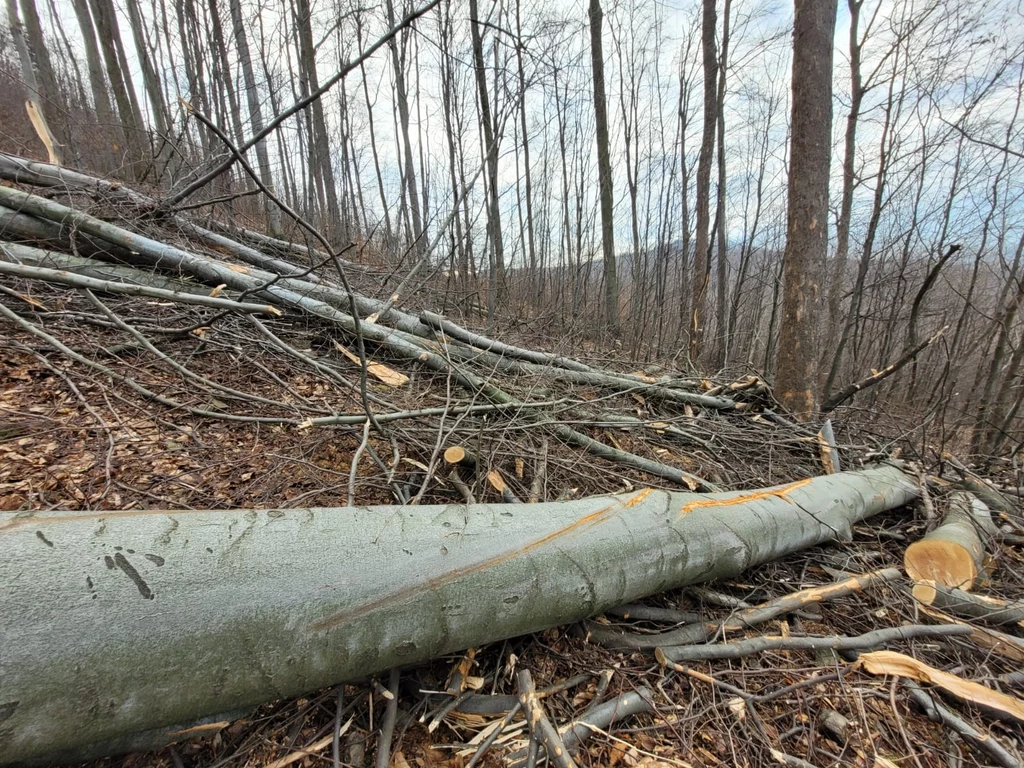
pixel 953 554
pixel 120 628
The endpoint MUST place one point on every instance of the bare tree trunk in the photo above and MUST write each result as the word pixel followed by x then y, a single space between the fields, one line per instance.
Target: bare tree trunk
pixel 50 95
pixel 986 426
pixel 530 229
pixel 110 130
pixel 796 383
pixel 385 206
pixel 409 173
pixel 723 342
pixel 604 172
pixel 149 76
pixel 886 145
pixel 702 246
pixel 685 273
pixel 321 142
pixel 747 247
pixel 222 72
pixel 255 111
pixel 35 104
pixel 835 293
pixel 497 276
pixel 124 97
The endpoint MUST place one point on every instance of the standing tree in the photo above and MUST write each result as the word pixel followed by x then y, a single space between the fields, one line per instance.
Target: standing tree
pixel 497 267
pixel 604 171
pixel 806 233
pixel 240 33
pixel 702 247
pixel 36 104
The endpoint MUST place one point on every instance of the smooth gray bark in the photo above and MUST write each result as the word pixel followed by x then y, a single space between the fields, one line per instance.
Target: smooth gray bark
pixel 604 172
pixel 135 622
pixel 8 266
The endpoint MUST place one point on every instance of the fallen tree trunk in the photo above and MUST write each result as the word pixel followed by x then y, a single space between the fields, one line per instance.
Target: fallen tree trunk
pixel 131 625
pixel 64 277
pixel 100 270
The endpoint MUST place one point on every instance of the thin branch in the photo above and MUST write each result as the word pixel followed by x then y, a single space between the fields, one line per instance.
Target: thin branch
pixel 850 390
pixel 172 200
pixel 671 655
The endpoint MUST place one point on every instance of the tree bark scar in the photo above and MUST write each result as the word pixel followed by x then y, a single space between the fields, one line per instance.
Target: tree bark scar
pixel 781 493
pixel 588 521
pixel 638 498
pixel 122 562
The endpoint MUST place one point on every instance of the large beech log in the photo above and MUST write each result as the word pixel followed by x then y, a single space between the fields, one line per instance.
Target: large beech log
pixel 119 628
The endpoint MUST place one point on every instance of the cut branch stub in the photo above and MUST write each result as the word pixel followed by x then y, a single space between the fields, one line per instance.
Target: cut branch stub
pixel 459 455
pixel 953 554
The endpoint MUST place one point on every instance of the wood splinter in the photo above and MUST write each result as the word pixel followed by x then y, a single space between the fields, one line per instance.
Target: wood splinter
pixel 539 724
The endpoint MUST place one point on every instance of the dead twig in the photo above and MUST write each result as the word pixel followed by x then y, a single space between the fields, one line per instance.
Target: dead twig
pixel 669 656
pixel 355 463
pixel 387 729
pixel 540 726
pixel 838 398
pixel 938 713
pixel 746 618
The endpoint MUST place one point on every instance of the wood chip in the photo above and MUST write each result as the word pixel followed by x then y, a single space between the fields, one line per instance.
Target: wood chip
pixel 389 376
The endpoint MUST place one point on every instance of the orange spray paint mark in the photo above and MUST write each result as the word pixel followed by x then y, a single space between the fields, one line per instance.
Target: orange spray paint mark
pixel 777 492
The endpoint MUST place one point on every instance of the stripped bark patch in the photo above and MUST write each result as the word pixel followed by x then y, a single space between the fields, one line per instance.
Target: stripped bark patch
pixel 780 493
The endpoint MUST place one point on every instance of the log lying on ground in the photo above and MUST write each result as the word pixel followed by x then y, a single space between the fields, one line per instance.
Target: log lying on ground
pixel 323 300
pixel 324 304
pixel 953 554
pixel 101 270
pixel 969 606
pixel 19 169
pixel 131 625
pixel 441 323
pixel 63 277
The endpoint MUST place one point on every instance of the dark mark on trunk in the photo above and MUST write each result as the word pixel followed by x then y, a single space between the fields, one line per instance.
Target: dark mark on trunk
pixel 128 568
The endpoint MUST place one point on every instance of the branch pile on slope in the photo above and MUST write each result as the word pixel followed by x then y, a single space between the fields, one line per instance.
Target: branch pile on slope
pixel 66 229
